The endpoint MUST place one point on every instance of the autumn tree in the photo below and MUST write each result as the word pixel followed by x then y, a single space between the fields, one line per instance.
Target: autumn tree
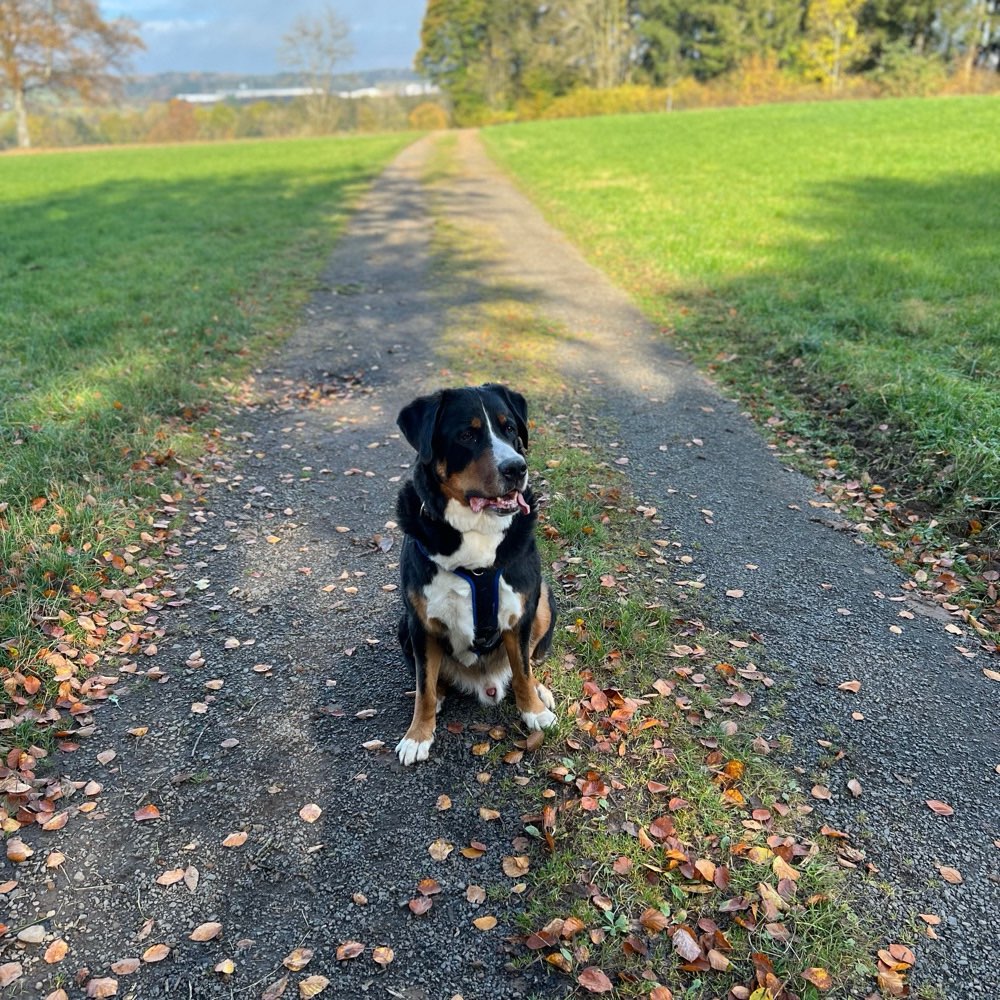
pixel 832 40
pixel 63 47
pixel 315 46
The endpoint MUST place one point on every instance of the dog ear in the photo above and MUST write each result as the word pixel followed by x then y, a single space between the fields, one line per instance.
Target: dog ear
pixel 518 406
pixel 417 421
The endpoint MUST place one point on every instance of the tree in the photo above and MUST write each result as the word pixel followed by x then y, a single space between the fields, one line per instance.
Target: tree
pixel 594 39
pixel 832 39
pixel 314 46
pixel 63 47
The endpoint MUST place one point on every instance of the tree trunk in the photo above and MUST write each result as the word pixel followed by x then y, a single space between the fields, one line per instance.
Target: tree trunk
pixel 21 115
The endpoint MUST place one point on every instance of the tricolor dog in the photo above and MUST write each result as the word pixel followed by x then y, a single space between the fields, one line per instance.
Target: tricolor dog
pixel 478 612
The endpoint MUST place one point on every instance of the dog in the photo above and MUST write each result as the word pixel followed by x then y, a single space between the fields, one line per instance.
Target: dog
pixel 477 611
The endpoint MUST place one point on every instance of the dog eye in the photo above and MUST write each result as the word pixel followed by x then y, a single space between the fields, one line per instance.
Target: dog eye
pixel 467 435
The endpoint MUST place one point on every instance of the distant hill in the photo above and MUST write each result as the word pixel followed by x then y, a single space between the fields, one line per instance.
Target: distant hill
pixel 163 86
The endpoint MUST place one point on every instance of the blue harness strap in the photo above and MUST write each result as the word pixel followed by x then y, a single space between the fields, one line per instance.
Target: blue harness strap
pixel 485 587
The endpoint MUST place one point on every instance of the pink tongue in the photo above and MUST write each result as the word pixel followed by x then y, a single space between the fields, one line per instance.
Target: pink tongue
pixel 522 503
pixel 478 504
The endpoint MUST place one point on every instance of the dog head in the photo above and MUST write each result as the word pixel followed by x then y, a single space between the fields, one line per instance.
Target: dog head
pixel 472 442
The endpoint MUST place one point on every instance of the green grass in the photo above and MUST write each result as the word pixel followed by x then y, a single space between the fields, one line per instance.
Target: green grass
pixel 134 283
pixel 837 261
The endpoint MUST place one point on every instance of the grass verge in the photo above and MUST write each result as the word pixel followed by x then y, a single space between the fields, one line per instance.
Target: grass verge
pixel 673 858
pixel 833 263
pixel 136 285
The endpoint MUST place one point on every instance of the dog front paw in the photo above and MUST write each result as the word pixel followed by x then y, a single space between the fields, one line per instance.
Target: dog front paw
pixel 410 751
pixel 546 695
pixel 540 720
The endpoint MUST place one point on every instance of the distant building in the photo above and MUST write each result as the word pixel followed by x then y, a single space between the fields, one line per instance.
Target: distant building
pixel 410 89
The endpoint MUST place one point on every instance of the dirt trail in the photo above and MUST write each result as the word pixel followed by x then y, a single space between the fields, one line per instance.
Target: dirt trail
pixel 318 453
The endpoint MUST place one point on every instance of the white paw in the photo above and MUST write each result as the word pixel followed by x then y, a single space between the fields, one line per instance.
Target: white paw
pixel 410 751
pixel 546 695
pixel 539 720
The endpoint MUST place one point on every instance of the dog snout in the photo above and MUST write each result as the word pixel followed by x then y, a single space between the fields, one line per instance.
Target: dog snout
pixel 513 469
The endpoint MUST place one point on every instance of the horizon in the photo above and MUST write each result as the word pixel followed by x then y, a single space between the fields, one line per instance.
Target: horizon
pixel 243 36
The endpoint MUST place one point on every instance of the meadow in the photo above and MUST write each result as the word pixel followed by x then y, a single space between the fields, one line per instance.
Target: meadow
pixel 835 262
pixel 134 283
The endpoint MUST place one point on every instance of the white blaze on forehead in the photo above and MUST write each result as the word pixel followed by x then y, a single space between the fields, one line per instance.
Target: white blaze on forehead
pixel 501 449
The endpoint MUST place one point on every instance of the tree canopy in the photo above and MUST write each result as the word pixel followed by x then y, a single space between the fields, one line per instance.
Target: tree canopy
pixel 488 54
pixel 63 47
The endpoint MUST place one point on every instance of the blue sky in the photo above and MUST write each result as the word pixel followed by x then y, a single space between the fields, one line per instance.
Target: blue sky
pixel 242 36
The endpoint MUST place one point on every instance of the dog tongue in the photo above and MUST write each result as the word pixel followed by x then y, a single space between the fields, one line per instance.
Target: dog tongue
pixel 479 504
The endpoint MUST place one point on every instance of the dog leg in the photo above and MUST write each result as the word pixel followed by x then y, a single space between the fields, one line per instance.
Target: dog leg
pixel 416 744
pixel 536 710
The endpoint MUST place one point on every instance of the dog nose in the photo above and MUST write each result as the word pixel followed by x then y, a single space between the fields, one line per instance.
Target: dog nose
pixel 513 468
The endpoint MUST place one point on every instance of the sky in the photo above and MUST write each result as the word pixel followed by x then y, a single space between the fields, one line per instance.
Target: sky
pixel 242 36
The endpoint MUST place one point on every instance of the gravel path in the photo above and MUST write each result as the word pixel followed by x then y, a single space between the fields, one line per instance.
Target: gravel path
pixel 287 562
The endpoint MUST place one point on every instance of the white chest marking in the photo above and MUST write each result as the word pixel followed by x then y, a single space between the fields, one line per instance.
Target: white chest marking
pixel 482 534
pixel 449 600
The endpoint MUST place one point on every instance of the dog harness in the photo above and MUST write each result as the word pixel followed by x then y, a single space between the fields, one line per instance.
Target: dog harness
pixel 485 587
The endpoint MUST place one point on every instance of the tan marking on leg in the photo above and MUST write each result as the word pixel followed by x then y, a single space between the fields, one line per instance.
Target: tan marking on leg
pixel 425 704
pixel 522 679
pixel 543 618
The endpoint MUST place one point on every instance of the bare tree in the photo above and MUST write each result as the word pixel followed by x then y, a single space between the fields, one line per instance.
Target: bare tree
pixel 64 47
pixel 314 46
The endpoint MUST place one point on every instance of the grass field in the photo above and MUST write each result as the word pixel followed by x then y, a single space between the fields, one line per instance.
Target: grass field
pixel 133 283
pixel 836 261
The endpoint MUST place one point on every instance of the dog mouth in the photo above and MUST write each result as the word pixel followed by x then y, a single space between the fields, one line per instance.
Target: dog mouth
pixel 509 503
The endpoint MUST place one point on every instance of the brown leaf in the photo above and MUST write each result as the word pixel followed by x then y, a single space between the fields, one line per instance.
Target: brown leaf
pixel 930 918
pixel 9 972
pixel 170 877
pixel 206 931
pixel 56 951
pixel 475 894
pixel 593 980
pixel 485 923
pixel 420 905
pixel 440 849
pixel 443 802
pixel 297 959
pixel 310 812
pixel 854 687
pixel 126 966
pixel 275 990
pixel 191 877
pixel 488 814
pixel 226 967
pixel 515 866
pixel 902 954
pixel 854 787
pixel 312 986
pixel 717 960
pixel 235 839
pixel 952 875
pixel 57 822
pixel 941 808
pixel 18 851
pixel 821 792
pixel 428 887
pixel 654 921
pixel 156 953
pixel 348 950
pixel 819 977
pixel 660 993
pixel 383 955
pixel 145 812
pixel 106 987
pixel 685 944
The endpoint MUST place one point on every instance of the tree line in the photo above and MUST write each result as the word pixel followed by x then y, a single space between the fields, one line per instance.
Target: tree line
pixel 491 55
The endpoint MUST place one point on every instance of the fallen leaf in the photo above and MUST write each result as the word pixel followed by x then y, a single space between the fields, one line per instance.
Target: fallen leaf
pixel 930 918
pixel 854 687
pixel 428 887
pixel 191 877
pixel 126 966
pixel 348 950
pixel 105 987
pixel 443 802
pixel 170 877
pixel 57 822
pixel 275 990
pixel 206 931
pixel 516 865
pixel 660 993
pixel 226 967
pixel 488 814
pixel 312 986
pixel 952 875
pixel 383 955
pixel 821 792
pixel 685 944
pixel 235 839
pixel 145 812
pixel 734 593
pixel 18 850
pixel 9 972
pixel 298 959
pixel 902 954
pixel 440 849
pixel 819 977
pixel 654 921
pixel 593 980
pixel 941 808
pixel 310 812
pixel 56 951
pixel 486 923
pixel 854 786
pixel 105 757
pixel 475 894
pixel 420 905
